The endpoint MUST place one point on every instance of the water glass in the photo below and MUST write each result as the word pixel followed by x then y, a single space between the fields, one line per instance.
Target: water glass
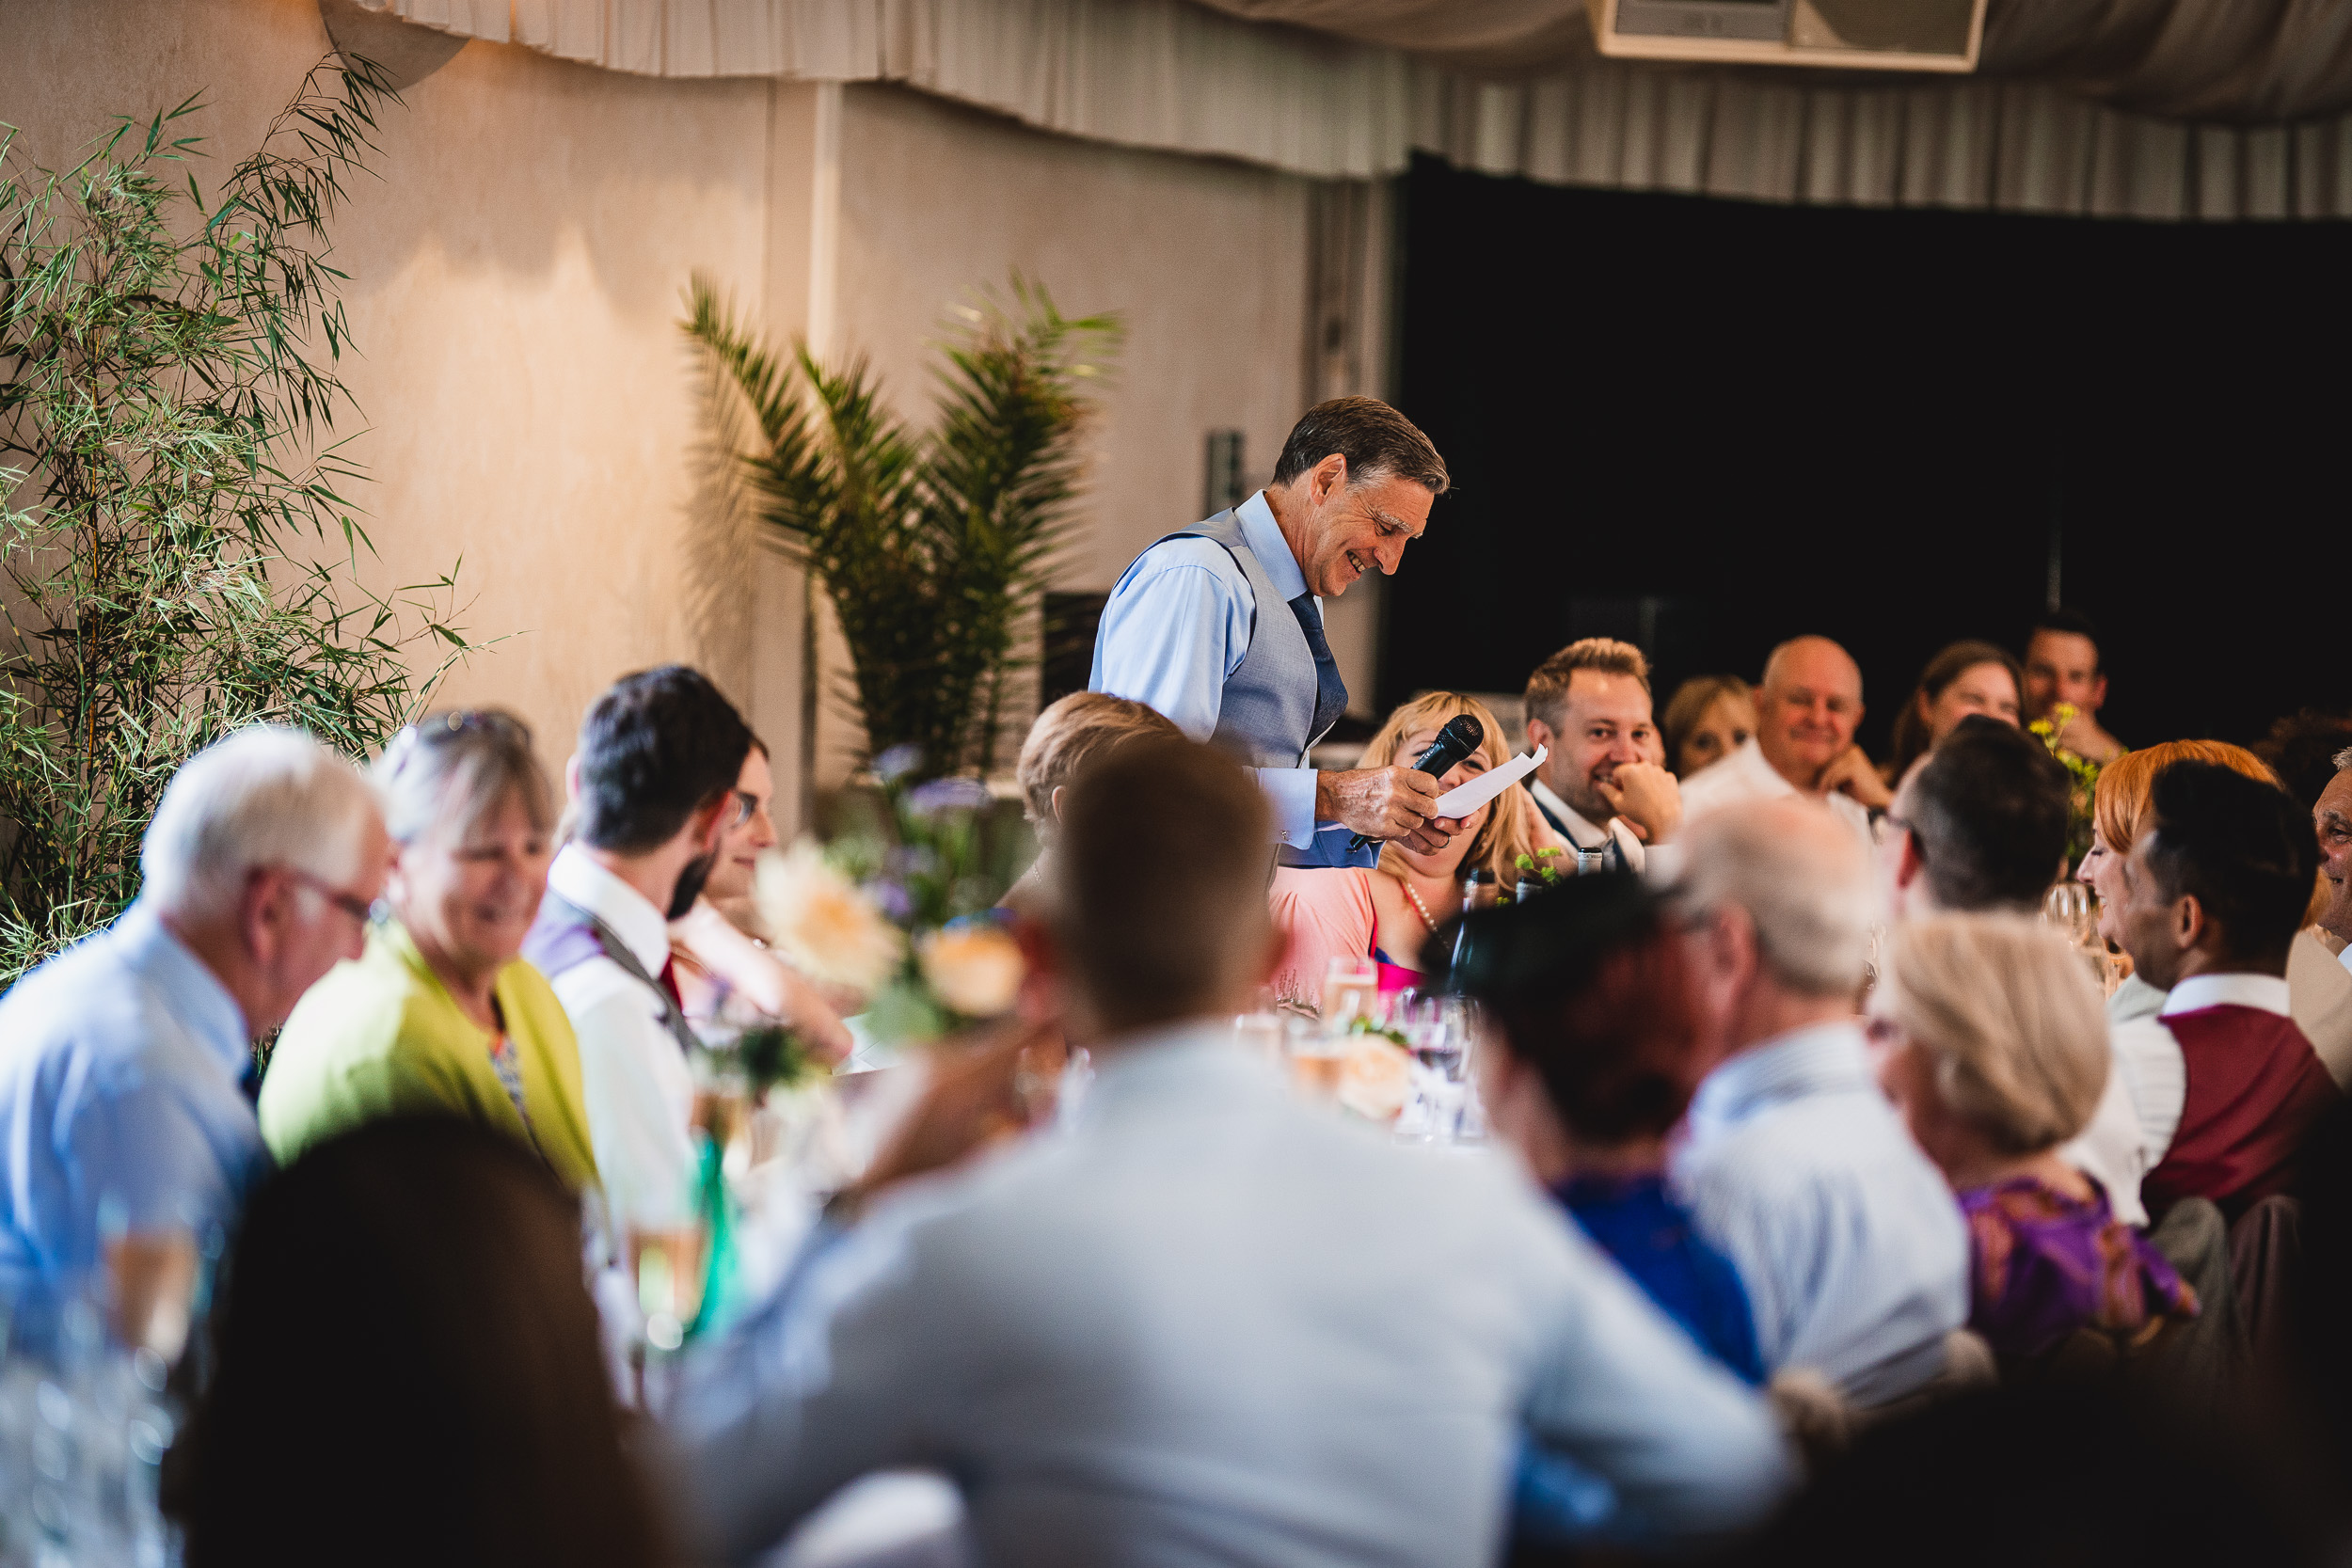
pixel 1317 1057
pixel 1260 1034
pixel 668 1265
pixel 1351 985
pixel 2072 910
pixel 1436 1030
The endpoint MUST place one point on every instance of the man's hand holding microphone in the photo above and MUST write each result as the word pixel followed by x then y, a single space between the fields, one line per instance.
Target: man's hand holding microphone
pixel 1399 804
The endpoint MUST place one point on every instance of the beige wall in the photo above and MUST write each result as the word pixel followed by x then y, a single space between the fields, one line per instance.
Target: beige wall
pixel 1202 258
pixel 515 280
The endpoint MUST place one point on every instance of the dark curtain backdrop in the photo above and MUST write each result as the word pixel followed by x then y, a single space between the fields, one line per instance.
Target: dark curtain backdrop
pixel 1771 419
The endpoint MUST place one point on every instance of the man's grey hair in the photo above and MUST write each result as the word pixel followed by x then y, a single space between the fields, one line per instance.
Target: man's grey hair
pixel 1802 876
pixel 2344 759
pixel 266 796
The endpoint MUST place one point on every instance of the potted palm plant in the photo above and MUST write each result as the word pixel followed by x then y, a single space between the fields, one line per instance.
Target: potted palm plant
pixel 931 545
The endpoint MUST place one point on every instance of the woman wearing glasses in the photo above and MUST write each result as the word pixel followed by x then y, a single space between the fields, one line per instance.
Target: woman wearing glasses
pixel 441 1013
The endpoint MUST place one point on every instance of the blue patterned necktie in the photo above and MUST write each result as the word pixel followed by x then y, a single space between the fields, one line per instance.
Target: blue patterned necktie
pixel 1330 691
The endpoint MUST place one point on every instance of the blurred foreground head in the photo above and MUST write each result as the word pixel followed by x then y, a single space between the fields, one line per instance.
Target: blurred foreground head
pixel 1157 902
pixel 1587 987
pixel 1776 896
pixel 409 1371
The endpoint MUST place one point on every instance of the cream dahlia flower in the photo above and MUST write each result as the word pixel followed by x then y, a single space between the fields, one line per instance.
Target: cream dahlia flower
pixel 821 924
pixel 975 969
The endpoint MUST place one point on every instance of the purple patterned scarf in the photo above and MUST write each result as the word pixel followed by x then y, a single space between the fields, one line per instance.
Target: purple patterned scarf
pixel 2042 1265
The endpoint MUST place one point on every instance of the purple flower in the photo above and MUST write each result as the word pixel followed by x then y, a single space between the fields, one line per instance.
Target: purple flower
pixel 911 861
pixel 945 795
pixel 891 898
pixel 898 762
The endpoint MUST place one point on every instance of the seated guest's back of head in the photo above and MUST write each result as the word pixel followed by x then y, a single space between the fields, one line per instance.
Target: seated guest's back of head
pixel 1853 1253
pixel 1994 1046
pixel 656 748
pixel 1070 735
pixel 1987 815
pixel 1157 898
pixel 1206 1322
pixel 1073 734
pixel 409 1371
pixel 1591 1044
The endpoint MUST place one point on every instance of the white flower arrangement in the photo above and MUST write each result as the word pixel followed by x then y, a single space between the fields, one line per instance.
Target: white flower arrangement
pixel 823 923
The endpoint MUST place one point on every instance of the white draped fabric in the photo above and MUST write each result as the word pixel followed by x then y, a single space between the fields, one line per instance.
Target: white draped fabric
pixel 1157 73
pixel 2022 147
pixel 2061 119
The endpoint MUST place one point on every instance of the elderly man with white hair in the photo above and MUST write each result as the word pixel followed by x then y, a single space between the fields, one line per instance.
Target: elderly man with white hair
pixel 120 1060
pixel 1852 1250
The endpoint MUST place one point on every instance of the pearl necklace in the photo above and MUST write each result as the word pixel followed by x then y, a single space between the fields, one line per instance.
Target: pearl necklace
pixel 1419 908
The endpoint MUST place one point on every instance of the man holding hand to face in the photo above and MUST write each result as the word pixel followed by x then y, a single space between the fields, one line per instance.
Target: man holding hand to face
pixel 1806 709
pixel 1603 787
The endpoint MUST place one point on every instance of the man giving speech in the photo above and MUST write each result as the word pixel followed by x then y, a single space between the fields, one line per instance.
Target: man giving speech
pixel 1220 626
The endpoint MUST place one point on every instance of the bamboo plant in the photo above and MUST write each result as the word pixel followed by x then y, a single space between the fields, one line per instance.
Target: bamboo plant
pixel 179 552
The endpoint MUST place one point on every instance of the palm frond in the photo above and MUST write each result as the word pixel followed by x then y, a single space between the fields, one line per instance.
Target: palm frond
pixel 929 546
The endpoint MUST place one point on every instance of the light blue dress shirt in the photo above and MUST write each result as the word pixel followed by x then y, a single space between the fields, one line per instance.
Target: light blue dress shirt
pixel 1850 1243
pixel 1209 1323
pixel 1177 624
pixel 119 1069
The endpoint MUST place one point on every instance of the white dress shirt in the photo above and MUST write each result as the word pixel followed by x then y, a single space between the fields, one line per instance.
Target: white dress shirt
pixel 1852 1246
pixel 1746 775
pixel 638 1090
pixel 1658 863
pixel 1178 624
pixel 1209 1323
pixel 2112 1149
pixel 2158 1071
pixel 2320 989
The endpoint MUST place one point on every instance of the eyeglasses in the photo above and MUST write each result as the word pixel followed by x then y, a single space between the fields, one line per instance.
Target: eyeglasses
pixel 350 903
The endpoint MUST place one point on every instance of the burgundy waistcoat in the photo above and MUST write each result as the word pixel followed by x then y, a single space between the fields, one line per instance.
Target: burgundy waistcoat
pixel 2255 1086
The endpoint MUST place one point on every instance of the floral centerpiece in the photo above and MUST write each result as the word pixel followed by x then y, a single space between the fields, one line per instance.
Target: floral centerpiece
pixel 899 912
pixel 2082 772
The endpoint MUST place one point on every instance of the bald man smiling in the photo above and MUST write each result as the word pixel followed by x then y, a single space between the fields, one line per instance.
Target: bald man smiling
pixel 1806 708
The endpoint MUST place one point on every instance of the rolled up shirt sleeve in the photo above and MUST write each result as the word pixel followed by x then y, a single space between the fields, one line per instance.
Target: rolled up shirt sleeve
pixel 1174 628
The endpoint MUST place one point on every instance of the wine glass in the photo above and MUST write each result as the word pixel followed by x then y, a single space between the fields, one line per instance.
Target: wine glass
pixel 2072 910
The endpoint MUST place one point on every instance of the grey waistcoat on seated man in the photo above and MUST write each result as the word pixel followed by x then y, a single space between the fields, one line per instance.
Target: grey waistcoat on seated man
pixel 1267 715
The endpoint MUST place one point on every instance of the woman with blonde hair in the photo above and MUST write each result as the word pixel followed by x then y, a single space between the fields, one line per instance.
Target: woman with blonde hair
pixel 442 1013
pixel 1708 718
pixel 1387 912
pixel 1990 1043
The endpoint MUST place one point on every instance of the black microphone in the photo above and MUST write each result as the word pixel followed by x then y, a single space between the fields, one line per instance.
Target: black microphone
pixel 1462 733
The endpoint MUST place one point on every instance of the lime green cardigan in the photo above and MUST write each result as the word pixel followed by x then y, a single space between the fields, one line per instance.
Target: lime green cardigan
pixel 381 1036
